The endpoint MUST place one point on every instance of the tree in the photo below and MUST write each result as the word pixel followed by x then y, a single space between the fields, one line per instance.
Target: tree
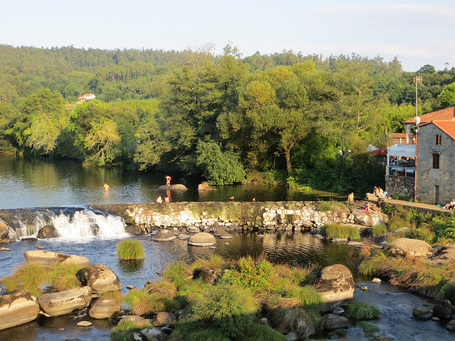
pixel 218 167
pixel 102 142
pixel 447 96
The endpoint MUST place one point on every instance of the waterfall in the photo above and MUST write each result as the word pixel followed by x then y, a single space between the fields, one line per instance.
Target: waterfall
pixel 70 223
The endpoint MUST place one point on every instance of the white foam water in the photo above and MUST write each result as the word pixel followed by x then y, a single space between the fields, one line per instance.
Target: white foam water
pixel 76 225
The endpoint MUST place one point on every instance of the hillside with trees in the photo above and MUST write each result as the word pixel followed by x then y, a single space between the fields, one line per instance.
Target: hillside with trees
pixel 284 117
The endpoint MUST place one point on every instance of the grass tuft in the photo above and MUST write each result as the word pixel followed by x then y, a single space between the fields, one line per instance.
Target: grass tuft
pixel 340 231
pixel 362 311
pixel 129 249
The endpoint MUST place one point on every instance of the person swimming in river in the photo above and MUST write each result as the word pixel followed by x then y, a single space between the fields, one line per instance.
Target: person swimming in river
pixel 106 187
pixel 159 200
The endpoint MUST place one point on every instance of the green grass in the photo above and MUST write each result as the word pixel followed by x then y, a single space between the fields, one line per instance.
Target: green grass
pixel 362 311
pixel 123 331
pixel 379 229
pixel 63 276
pixel 340 231
pixel 28 277
pixel 368 328
pixel 130 249
pixel 325 206
pixel 143 302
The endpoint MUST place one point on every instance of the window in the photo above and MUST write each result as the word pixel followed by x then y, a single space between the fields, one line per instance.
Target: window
pixel 435 160
pixel 438 140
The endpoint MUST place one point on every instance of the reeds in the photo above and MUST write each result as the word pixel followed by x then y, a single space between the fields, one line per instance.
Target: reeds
pixel 340 231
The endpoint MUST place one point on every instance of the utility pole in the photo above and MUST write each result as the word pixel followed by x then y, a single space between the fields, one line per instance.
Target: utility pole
pixel 417 79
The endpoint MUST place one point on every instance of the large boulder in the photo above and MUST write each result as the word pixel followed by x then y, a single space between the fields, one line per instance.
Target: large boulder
pixel 49 258
pixel 445 255
pixel 164 236
pixel 100 278
pixel 365 218
pixel 336 284
pixel 202 239
pixel 4 232
pixel 443 310
pixel 64 302
pixel 48 231
pixel 104 308
pixel 409 248
pixel 178 187
pixel 17 308
pixel 164 318
pixel 332 321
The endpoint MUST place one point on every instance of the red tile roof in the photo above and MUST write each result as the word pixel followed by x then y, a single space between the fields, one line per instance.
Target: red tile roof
pixel 446 126
pixel 447 114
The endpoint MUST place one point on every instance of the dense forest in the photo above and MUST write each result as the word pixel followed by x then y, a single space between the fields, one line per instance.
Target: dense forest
pixel 283 117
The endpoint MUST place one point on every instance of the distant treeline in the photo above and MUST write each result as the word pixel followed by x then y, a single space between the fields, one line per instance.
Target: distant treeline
pixel 284 116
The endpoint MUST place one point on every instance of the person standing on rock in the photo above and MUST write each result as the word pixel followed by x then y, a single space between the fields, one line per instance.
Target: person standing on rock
pixel 168 180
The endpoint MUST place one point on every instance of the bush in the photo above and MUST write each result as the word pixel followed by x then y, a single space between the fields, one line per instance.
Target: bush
pixel 263 332
pixel 228 308
pixel 249 275
pixel 362 311
pixel 129 249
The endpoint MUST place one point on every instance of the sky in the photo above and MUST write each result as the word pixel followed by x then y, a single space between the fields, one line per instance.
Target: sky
pixel 417 32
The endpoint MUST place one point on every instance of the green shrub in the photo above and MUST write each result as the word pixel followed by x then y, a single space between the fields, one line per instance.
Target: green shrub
pixel 249 275
pixel 370 266
pixel 340 231
pixel 228 308
pixel 129 249
pixel 362 311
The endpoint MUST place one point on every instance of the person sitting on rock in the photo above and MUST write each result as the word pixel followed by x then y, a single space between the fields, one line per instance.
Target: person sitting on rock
pixel 450 205
pixel 351 197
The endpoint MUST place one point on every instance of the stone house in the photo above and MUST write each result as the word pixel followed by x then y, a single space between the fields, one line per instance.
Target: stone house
pixel 435 182
pixel 424 168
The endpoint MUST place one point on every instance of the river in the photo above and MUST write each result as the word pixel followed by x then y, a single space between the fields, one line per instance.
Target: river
pixel 40 183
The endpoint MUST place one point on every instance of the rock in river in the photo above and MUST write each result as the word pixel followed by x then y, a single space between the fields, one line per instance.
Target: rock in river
pixel 202 239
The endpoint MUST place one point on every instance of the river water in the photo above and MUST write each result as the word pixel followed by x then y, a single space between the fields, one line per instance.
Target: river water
pixel 40 183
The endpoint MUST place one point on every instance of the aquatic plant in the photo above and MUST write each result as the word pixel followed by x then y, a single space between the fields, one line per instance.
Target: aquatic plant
pixel 130 249
pixel 116 295
pixel 362 311
pixel 63 276
pixel 368 328
pixel 340 231
pixel 29 277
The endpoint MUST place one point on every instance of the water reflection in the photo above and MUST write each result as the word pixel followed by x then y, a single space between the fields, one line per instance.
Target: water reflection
pixel 41 182
pixel 131 266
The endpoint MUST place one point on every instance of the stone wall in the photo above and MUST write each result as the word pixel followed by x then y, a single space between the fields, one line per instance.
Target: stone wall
pixel 429 179
pixel 400 185
pixel 260 215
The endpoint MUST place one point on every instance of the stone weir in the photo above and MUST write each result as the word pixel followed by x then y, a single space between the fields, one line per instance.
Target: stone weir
pixel 289 215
